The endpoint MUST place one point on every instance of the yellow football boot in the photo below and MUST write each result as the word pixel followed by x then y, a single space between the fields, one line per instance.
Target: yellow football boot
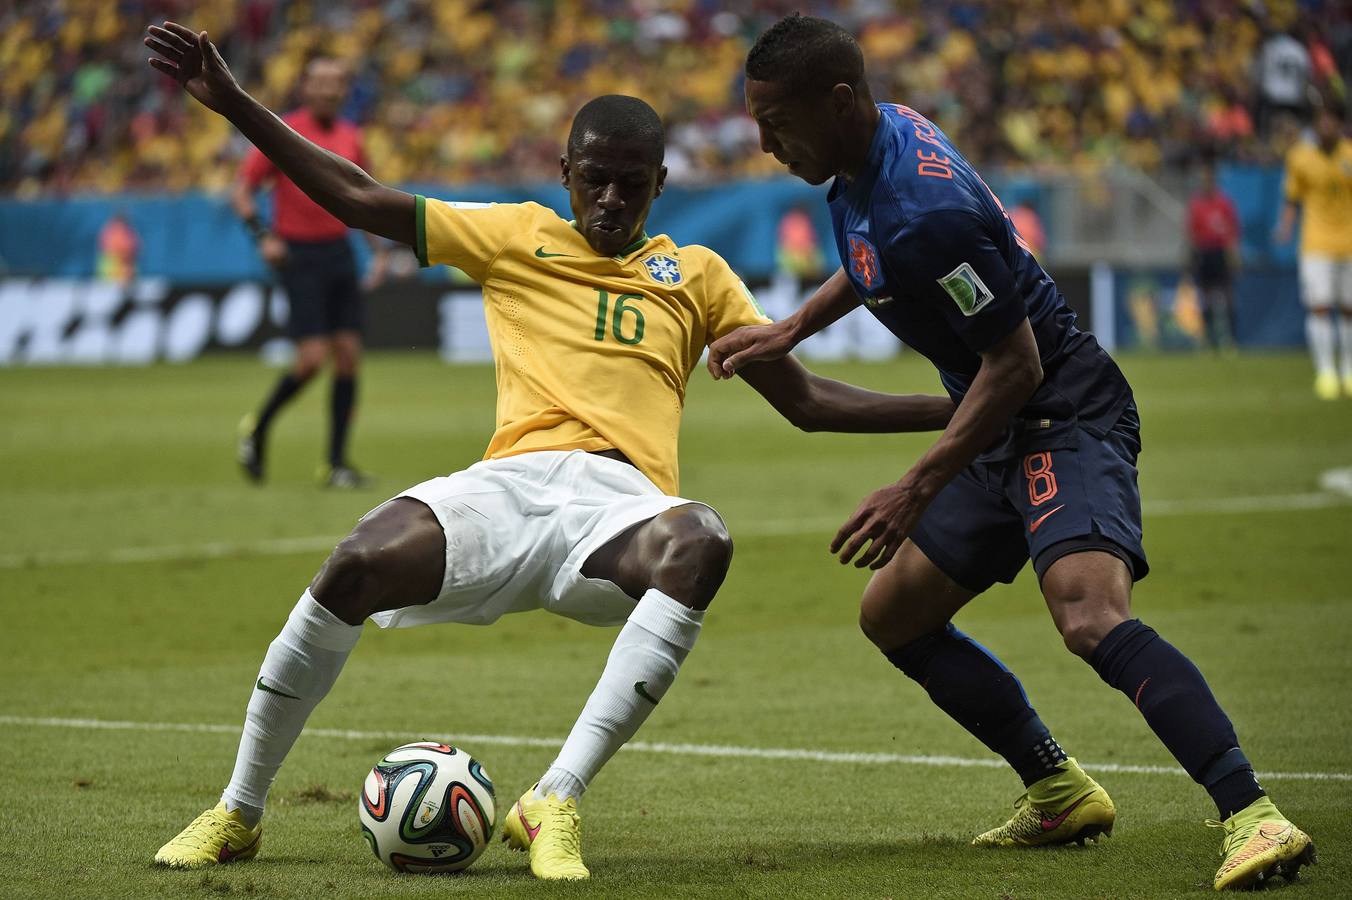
pixel 551 830
pixel 213 838
pixel 1260 842
pixel 1069 807
pixel 1326 386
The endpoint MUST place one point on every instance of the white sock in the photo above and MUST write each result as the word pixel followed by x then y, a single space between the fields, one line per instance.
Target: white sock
pixel 561 783
pixel 1345 342
pixel 1319 332
pixel 300 667
pixel 642 665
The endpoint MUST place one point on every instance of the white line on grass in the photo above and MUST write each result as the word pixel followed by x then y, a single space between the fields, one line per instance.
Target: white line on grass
pixel 725 751
pixel 172 552
pixel 1338 481
pixel 1337 494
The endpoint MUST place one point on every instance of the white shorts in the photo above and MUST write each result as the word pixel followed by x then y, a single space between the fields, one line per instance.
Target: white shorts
pixel 518 531
pixel 1326 281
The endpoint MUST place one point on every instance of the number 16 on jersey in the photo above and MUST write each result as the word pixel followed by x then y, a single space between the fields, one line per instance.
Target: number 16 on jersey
pixel 615 319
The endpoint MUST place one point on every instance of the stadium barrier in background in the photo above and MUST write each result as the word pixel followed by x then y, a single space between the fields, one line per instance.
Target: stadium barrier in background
pixel 81 321
pixel 69 321
pixel 1114 244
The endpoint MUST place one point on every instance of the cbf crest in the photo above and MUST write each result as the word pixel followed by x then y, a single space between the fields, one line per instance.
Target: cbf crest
pixel 663 269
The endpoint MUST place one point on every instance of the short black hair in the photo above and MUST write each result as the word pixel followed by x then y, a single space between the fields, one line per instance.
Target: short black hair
pixel 620 116
pixel 806 54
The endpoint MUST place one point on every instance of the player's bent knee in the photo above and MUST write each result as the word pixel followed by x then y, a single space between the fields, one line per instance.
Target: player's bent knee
pixel 883 621
pixel 358 578
pixel 695 533
pixel 1088 594
pixel 696 551
pixel 873 630
pixel 1083 626
pixel 309 360
pixel 345 360
pixel 346 585
pixel 394 558
pixel 1081 638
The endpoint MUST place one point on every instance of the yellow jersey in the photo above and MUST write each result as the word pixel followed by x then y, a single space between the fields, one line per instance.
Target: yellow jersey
pixel 592 352
pixel 1322 184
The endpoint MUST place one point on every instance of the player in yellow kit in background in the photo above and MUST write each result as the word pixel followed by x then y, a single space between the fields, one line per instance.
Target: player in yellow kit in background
pixel 596 328
pixel 1319 186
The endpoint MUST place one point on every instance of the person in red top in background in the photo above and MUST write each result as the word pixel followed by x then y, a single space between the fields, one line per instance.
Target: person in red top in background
pixel 118 249
pixel 309 250
pixel 1213 236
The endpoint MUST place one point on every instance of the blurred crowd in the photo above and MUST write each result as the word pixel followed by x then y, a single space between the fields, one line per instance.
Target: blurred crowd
pixel 465 91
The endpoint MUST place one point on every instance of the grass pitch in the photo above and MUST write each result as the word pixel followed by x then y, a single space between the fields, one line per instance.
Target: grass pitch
pixel 141 581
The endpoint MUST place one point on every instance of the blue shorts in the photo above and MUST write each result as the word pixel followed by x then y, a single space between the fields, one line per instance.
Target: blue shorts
pixel 1069 491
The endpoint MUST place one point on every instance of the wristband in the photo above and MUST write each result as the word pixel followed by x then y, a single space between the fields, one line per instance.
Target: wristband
pixel 256 227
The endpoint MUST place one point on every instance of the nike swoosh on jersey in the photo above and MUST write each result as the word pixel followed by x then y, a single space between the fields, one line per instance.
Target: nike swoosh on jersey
pixel 540 252
pixel 1037 523
pixel 640 689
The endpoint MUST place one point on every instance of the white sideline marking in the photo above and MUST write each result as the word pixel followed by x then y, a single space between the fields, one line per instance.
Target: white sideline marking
pixel 1337 484
pixel 172 552
pixel 724 751
pixel 1241 505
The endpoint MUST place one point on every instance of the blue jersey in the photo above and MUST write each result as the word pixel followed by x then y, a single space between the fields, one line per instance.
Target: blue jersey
pixel 931 251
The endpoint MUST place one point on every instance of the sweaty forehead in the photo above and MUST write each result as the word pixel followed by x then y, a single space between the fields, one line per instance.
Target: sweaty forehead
pixel 766 98
pixel 614 153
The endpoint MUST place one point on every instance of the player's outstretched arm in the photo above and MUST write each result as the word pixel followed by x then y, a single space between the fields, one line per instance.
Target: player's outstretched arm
pixel 1010 372
pixel 755 343
pixel 341 187
pixel 814 403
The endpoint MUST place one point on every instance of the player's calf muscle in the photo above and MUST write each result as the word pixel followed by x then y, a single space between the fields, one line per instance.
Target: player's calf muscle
pixel 394 558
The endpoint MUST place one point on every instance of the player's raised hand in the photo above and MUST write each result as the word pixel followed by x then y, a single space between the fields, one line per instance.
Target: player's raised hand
pixel 748 344
pixel 883 520
pixel 192 60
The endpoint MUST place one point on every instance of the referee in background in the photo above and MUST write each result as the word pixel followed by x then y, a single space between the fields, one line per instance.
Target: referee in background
pixel 310 252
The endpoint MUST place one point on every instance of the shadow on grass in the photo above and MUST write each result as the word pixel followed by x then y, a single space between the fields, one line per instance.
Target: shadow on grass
pixel 934 854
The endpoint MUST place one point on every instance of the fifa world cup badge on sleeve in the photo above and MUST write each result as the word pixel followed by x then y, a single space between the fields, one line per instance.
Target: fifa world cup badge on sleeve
pixel 967 289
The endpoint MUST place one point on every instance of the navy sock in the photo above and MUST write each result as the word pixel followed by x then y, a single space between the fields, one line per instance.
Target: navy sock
pixel 287 387
pixel 1180 708
pixel 344 397
pixel 966 681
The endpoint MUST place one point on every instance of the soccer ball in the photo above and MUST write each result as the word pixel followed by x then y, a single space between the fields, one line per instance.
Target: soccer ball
pixel 427 807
